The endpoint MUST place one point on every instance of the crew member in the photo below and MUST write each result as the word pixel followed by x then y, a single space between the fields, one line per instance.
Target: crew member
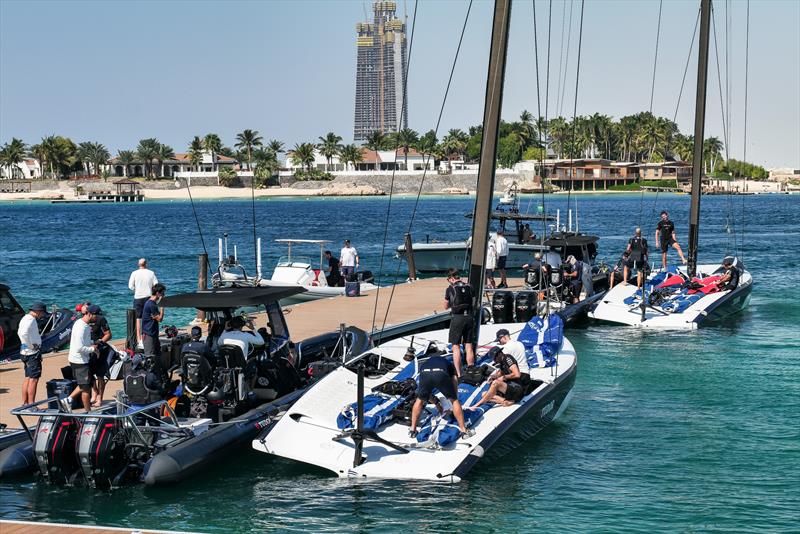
pixel 237 337
pixel 438 373
pixel 348 259
pixel 729 280
pixel 195 345
pixel 491 264
pixel 637 258
pixel 665 237
pixel 333 277
pixel 527 234
pixel 141 282
pixel 508 383
pixel 574 273
pixel 616 275
pixel 30 350
pixel 152 315
pixel 81 349
pixel 501 243
pixel 458 298
pixel 536 272
pixel 98 363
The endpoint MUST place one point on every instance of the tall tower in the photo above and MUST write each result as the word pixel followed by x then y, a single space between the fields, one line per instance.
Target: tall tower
pixel 380 73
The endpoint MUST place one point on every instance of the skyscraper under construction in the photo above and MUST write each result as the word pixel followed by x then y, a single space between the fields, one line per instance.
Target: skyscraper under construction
pixel 381 73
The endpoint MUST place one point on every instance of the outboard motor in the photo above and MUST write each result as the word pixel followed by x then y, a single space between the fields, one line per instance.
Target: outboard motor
pixel 101 452
pixel 533 279
pixel 54 448
pixel 503 307
pixel 525 306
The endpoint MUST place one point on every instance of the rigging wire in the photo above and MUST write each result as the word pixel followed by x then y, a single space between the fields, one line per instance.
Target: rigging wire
pixel 543 153
pixel 575 106
pixel 253 205
pixel 744 136
pixel 394 168
pixel 566 63
pixel 686 68
pixel 425 170
pixel 197 220
pixel 561 59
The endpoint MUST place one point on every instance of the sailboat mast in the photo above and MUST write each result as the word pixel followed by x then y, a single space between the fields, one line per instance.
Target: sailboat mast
pixel 699 130
pixel 491 127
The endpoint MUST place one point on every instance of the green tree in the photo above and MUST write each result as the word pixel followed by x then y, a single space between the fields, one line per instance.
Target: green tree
pixel 126 159
pixel 712 153
pixel 375 141
pixel 351 154
pixel 276 146
pixel 196 149
pixel 405 139
pixel 147 150
pixel 303 154
pixel 165 152
pixel 99 156
pixel 247 141
pixel 509 150
pixel 426 146
pixel 213 144
pixel 227 176
pixel 329 146
pixel 11 155
pixel 455 142
pixel 60 154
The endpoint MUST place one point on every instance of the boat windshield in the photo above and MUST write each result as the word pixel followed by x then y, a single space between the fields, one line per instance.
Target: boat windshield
pixel 284 260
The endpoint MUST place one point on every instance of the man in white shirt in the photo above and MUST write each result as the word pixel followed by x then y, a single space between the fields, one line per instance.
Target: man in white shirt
pixel 501 244
pixel 238 338
pixel 30 350
pixel 81 348
pixel 141 283
pixel 509 382
pixel 348 259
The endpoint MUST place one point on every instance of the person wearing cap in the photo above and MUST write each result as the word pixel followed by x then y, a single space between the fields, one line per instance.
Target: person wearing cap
pixel 30 350
pixel 348 259
pixel 509 381
pixel 574 274
pixel 81 349
pixel 238 337
pixel 195 345
pixel 98 364
pixel 141 282
pixel 729 280
pixel 152 315
pixel 637 258
pixel 459 299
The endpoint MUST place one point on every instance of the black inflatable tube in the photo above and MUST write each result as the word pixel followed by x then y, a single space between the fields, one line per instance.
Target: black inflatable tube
pixel 17 460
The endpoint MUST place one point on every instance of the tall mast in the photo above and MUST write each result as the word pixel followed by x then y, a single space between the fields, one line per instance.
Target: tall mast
pixel 491 126
pixel 699 130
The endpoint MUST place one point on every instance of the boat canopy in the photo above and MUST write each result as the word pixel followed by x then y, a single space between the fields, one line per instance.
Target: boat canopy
pixel 499 215
pixel 310 241
pixel 570 240
pixel 230 297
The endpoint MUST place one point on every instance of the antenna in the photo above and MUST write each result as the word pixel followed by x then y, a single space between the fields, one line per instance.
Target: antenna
pixel 364 7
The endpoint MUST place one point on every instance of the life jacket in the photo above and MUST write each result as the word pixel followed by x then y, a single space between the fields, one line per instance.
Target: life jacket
pixel 136 387
pixel 462 297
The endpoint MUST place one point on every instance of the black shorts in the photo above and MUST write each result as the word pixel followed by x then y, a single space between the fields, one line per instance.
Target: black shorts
pixel 637 263
pixel 33 365
pixel 501 262
pixel 666 243
pixel 98 363
pixel 515 389
pixel 462 329
pixel 440 381
pixel 81 374
pixel 138 306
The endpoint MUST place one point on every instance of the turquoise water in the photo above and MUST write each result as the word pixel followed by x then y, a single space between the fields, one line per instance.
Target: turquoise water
pixel 693 431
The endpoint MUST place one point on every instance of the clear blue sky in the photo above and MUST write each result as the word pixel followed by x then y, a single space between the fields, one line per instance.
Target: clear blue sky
pixel 118 71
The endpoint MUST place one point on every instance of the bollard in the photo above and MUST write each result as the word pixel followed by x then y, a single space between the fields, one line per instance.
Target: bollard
pixel 412 268
pixel 202 281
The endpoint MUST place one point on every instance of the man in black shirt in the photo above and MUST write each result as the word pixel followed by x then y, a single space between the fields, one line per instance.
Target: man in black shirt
pixel 637 258
pixel 98 363
pixel 665 237
pixel 458 299
pixel 508 383
pixel 333 277
pixel 437 373
pixel 729 280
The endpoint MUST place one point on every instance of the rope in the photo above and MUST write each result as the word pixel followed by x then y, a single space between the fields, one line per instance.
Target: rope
pixel 575 105
pixel 744 141
pixel 394 169
pixel 425 170
pixel 566 61
pixel 197 221
pixel 542 154
pixel 561 58
pixel 686 67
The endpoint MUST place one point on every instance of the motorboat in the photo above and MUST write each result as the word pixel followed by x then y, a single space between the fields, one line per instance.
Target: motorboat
pixel 671 299
pixel 293 270
pixel 326 427
pixel 55 326
pixel 684 297
pixel 437 257
pixel 160 430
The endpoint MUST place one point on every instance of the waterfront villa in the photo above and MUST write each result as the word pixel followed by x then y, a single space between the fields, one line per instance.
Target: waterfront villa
pixel 177 167
pixel 27 169
pixel 371 160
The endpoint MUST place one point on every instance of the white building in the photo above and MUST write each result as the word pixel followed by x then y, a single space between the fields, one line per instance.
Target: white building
pixel 371 160
pixel 28 169
pixel 177 167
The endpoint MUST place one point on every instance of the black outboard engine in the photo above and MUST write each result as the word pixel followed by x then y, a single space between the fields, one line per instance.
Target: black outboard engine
pixel 525 306
pixel 533 279
pixel 101 452
pixel 54 448
pixel 503 307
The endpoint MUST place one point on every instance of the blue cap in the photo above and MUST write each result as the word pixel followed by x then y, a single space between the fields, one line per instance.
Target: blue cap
pixel 94 309
pixel 38 307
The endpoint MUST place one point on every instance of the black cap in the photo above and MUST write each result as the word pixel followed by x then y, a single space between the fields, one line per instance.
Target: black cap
pixel 94 309
pixel 38 307
pixel 502 332
pixel 197 332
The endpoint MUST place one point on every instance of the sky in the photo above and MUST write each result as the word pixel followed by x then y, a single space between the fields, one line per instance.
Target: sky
pixel 117 71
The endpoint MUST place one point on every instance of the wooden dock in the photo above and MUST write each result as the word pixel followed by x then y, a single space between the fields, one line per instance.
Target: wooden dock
pixel 35 527
pixel 410 301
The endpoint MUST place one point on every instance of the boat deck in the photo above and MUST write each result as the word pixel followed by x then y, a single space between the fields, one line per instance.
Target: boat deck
pixel 410 301
pixel 35 527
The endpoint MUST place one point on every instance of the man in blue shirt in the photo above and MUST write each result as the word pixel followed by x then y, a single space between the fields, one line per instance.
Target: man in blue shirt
pixel 151 316
pixel 438 373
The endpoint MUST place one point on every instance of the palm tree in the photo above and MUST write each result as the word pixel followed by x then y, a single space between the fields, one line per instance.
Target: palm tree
pixel 351 154
pixel 303 154
pixel 13 154
pixel 247 140
pixel 559 133
pixel 196 152
pixel 60 153
pixel 126 158
pixel 684 147
pixel 165 152
pixel 213 144
pixel 712 151
pixel 276 146
pixel 266 163
pixel 426 145
pixel 455 142
pixel 405 139
pixel 375 141
pixel 85 150
pixel 329 146
pixel 98 156
pixel 147 150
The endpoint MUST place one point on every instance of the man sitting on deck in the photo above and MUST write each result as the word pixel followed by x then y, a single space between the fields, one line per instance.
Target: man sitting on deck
pixel 510 380
pixel 729 280
pixel 438 373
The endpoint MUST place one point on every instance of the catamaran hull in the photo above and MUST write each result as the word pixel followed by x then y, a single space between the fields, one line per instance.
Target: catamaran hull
pixel 522 426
